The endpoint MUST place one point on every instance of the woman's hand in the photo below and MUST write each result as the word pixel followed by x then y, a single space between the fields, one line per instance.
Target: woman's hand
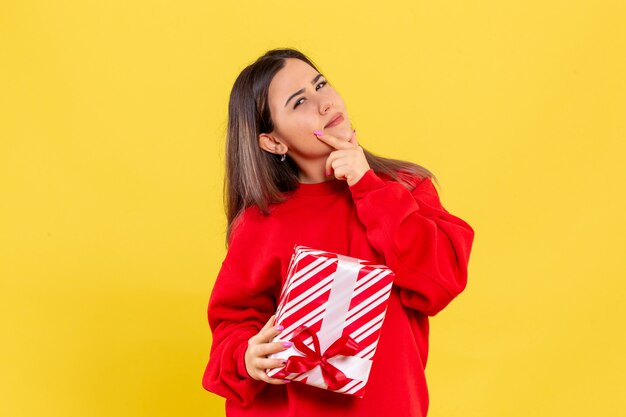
pixel 259 347
pixel 348 162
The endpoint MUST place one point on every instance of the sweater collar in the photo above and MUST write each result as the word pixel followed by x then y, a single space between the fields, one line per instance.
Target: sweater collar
pixel 332 186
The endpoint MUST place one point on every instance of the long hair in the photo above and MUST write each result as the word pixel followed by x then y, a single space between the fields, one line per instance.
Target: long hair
pixel 257 177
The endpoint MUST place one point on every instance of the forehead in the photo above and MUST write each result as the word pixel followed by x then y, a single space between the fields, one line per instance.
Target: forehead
pixel 296 74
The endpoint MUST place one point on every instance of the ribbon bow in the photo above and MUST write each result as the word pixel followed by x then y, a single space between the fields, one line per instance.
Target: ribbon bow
pixel 333 377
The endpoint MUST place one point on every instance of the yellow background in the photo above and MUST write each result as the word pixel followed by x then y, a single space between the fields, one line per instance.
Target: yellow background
pixel 112 119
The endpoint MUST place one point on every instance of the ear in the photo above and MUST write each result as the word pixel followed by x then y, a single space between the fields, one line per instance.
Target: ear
pixel 271 144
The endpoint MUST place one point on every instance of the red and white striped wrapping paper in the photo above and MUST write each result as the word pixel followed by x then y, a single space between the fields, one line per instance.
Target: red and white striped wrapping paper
pixel 333 295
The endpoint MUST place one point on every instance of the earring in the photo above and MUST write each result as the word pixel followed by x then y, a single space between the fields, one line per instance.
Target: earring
pixel 282 158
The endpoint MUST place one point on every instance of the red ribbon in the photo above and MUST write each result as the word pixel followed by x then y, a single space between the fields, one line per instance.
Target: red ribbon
pixel 334 378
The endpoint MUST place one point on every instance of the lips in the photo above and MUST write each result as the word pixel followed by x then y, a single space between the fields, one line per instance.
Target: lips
pixel 338 118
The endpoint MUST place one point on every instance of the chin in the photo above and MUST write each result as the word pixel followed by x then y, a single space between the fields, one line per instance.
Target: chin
pixel 346 132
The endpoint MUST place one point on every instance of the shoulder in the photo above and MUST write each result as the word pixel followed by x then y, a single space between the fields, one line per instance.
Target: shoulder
pixel 248 218
pixel 425 193
pixel 410 180
pixel 250 226
pixel 421 187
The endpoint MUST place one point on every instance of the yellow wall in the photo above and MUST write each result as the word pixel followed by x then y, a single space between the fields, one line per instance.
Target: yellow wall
pixel 111 163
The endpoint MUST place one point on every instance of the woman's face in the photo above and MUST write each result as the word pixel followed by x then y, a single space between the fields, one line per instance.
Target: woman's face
pixel 301 101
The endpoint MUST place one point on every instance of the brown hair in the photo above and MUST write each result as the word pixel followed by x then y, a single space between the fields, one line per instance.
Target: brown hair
pixel 257 177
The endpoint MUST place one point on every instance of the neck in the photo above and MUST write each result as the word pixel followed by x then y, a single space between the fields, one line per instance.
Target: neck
pixel 312 171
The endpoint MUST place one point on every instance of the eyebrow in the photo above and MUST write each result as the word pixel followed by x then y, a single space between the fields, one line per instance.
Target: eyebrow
pixel 300 91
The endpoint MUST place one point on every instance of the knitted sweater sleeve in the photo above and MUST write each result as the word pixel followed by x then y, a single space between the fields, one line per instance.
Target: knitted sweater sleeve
pixel 427 247
pixel 241 302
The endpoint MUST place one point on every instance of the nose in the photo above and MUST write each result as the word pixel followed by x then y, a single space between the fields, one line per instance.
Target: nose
pixel 325 106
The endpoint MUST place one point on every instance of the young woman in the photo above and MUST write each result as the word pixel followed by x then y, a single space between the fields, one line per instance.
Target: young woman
pixel 295 174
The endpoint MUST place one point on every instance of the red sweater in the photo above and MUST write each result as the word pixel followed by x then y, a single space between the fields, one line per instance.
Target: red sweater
pixel 376 219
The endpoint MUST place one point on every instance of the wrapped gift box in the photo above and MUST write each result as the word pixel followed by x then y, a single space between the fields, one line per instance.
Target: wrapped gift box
pixel 332 308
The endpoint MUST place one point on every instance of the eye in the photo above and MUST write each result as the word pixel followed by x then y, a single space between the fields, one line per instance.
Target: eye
pixel 323 83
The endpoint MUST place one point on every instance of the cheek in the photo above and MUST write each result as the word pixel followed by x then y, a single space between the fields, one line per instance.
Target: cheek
pixel 298 132
pixel 307 124
pixel 337 98
pixel 300 125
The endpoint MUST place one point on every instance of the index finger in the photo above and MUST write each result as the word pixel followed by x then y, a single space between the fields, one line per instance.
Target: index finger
pixel 265 330
pixel 270 331
pixel 333 141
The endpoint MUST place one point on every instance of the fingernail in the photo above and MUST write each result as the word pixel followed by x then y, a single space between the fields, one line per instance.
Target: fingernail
pixel 279 327
pixel 287 344
pixel 317 133
pixel 287 381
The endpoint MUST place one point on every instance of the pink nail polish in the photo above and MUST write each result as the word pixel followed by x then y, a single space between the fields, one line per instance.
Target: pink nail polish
pixel 287 344
pixel 279 328
pixel 317 133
